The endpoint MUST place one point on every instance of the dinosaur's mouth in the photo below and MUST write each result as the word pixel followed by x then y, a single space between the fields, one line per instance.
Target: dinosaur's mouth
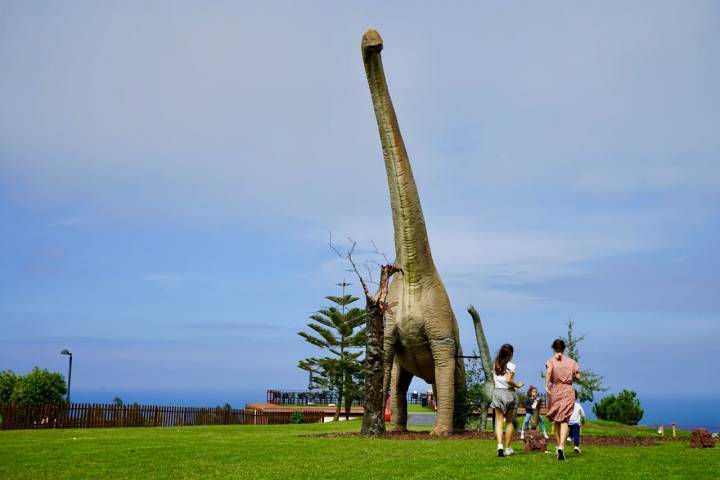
pixel 372 41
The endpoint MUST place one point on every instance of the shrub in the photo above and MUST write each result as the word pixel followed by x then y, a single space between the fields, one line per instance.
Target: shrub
pixel 8 381
pixel 624 408
pixel 39 387
pixel 297 417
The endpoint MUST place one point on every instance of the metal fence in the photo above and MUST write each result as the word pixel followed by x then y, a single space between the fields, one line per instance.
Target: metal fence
pixel 87 415
pixel 305 397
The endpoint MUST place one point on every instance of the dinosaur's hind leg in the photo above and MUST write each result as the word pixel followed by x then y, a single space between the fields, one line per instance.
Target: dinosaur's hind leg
pixel 460 410
pixel 443 350
pixel 399 385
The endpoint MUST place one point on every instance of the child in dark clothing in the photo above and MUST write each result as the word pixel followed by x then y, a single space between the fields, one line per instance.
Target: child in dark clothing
pixel 533 402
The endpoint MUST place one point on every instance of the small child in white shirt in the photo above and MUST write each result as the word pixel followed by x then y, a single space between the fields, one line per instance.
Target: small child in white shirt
pixel 576 419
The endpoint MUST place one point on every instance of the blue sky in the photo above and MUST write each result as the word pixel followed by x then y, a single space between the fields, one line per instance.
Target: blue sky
pixel 169 173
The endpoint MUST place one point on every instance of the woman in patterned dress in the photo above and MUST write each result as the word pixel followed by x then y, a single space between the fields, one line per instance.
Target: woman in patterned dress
pixel 559 376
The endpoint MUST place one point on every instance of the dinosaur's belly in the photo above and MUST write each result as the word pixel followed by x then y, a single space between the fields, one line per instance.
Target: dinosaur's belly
pixel 410 317
pixel 413 351
pixel 421 365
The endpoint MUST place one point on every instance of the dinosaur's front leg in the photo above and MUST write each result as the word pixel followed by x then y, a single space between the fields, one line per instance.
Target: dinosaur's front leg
pixel 443 352
pixel 401 379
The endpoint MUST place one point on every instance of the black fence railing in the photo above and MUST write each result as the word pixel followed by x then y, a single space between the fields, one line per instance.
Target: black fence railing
pixel 420 398
pixel 324 397
pixel 305 397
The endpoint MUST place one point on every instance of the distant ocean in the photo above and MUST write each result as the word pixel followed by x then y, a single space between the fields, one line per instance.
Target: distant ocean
pixel 687 412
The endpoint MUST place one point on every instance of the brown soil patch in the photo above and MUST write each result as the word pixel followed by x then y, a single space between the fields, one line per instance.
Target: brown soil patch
pixel 625 441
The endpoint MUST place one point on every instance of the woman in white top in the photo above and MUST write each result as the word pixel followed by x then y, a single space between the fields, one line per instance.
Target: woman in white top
pixel 504 399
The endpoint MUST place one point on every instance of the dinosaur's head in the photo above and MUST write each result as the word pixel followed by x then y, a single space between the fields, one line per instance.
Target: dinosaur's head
pixel 371 42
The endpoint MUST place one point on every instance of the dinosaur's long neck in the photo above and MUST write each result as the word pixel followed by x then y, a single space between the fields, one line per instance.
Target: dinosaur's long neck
pixel 411 241
pixel 483 349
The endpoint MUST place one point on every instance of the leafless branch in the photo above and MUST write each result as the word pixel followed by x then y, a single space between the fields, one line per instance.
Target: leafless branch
pixel 338 252
pixel 369 273
pixel 387 270
pixel 348 257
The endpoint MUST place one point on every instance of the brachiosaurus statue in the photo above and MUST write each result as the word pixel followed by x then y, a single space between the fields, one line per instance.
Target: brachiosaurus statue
pixel 421 333
pixel 486 360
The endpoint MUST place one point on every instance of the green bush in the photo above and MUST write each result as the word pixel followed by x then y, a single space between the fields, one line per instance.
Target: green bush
pixel 39 387
pixel 623 407
pixel 297 417
pixel 8 381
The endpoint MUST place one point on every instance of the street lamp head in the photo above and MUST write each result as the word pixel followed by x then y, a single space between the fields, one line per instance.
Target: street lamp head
pixel 66 352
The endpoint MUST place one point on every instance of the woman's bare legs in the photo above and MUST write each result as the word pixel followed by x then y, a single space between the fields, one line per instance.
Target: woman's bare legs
pixel 556 431
pixel 509 427
pixel 564 427
pixel 499 416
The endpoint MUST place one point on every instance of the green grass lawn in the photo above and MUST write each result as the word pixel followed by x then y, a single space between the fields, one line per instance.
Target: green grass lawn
pixel 614 429
pixel 417 408
pixel 602 427
pixel 285 451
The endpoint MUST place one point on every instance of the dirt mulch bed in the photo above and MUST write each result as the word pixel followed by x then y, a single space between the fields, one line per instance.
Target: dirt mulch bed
pixel 624 441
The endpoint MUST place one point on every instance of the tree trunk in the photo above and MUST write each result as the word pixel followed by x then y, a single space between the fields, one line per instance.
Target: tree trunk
pixel 348 394
pixel 348 406
pixel 374 415
pixel 374 398
pixel 341 381
pixel 375 307
pixel 338 405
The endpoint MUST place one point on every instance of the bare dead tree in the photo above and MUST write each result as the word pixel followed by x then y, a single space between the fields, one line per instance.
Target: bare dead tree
pixel 375 307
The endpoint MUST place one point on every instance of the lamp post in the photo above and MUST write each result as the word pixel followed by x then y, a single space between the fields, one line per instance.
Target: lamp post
pixel 69 354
